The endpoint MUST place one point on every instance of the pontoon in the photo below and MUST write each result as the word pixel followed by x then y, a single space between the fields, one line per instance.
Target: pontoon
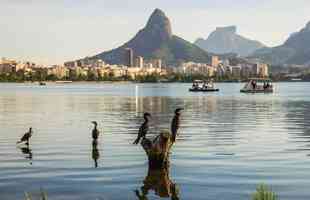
pixel 207 86
pixel 258 85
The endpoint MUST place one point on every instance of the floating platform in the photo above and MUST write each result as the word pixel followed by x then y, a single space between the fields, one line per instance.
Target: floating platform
pixel 256 91
pixel 204 90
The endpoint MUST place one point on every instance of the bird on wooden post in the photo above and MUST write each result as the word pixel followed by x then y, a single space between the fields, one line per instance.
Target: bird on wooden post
pixel 26 137
pixel 144 128
pixel 175 123
pixel 95 131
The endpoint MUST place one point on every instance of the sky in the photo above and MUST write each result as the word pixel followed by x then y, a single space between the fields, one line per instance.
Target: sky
pixel 54 31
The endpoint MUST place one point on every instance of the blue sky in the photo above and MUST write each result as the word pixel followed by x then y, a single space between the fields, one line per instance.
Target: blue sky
pixel 53 31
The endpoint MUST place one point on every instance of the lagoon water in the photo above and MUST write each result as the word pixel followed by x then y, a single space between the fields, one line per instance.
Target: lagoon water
pixel 229 142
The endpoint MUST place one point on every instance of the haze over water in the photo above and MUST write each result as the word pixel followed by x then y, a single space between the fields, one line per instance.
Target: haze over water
pixel 229 142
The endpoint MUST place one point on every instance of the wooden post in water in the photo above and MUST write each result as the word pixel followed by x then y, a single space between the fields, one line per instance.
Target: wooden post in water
pixel 158 178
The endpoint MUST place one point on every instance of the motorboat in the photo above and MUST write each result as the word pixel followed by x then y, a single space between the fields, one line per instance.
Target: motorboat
pixel 203 86
pixel 258 85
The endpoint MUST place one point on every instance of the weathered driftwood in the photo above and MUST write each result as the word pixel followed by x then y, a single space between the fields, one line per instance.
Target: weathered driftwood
pixel 158 150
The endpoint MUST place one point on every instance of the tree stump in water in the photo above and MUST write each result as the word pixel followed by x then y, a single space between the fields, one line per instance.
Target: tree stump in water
pixel 158 150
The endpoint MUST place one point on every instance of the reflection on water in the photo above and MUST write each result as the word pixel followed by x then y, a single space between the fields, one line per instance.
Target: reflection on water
pixel 159 181
pixel 299 114
pixel 229 142
pixel 95 152
pixel 27 152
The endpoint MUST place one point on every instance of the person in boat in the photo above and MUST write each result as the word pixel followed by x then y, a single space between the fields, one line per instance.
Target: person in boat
pixel 265 86
pixel 205 85
pixel 253 83
pixel 194 85
pixel 211 85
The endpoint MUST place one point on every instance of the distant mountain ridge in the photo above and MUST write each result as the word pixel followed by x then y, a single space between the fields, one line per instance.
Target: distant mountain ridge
pixel 156 40
pixel 226 40
pixel 295 50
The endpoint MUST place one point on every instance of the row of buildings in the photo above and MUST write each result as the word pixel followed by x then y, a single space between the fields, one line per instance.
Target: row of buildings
pixel 224 68
pixel 85 68
pixel 138 66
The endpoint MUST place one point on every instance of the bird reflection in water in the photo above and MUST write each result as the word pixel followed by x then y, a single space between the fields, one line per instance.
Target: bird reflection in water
pixel 159 181
pixel 27 152
pixel 95 152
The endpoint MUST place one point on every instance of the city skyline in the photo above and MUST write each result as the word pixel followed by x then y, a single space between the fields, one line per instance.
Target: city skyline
pixel 55 32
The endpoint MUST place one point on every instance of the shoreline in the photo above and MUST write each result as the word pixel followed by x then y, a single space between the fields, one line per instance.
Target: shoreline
pixel 137 82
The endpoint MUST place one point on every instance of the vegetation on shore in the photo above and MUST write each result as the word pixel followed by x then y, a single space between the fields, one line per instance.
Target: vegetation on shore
pixel 263 192
pixel 155 77
pixel 43 195
pixel 152 78
pixel 149 78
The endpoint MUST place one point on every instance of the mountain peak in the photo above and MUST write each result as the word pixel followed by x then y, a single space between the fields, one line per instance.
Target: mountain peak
pixel 155 40
pixel 159 23
pixel 227 29
pixel 308 26
pixel 294 50
pixel 225 40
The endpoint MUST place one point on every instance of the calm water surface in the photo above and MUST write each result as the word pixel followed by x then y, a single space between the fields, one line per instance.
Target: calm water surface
pixel 229 142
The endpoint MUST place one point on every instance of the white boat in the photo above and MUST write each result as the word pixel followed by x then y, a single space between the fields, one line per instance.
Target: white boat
pixel 63 81
pixel 208 86
pixel 258 85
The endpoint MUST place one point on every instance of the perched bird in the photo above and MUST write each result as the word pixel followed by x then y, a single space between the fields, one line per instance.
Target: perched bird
pixel 26 137
pixel 144 128
pixel 95 132
pixel 175 124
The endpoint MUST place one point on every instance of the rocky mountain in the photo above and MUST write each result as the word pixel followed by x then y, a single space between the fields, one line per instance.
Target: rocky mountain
pixel 295 50
pixel 156 40
pixel 226 40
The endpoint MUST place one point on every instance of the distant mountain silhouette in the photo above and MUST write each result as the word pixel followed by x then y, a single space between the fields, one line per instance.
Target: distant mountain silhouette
pixel 226 40
pixel 296 50
pixel 156 40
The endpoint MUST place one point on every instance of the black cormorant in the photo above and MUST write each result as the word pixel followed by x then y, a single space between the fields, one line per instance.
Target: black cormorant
pixel 26 137
pixel 144 128
pixel 95 132
pixel 175 124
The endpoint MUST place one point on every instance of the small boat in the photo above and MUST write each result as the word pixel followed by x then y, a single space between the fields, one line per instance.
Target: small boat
pixel 208 86
pixel 42 83
pixel 295 79
pixel 258 85
pixel 61 82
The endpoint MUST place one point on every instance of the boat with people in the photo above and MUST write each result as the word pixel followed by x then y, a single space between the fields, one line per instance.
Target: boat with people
pixel 42 83
pixel 203 86
pixel 258 85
